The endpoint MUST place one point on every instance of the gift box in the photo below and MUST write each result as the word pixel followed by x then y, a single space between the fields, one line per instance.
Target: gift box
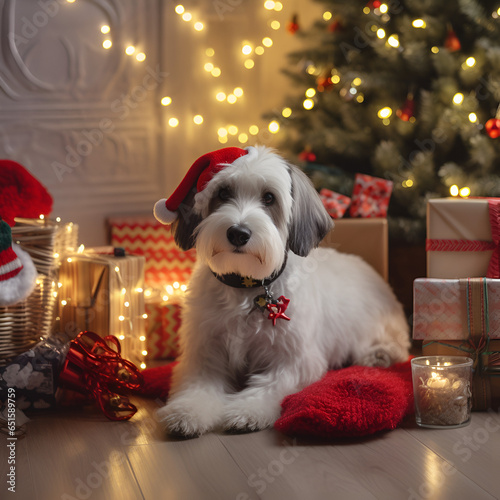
pixel 104 293
pixel 144 235
pixel 370 196
pixel 463 237
pixel 336 204
pixel 368 238
pixel 34 375
pixel 162 326
pixel 461 317
pixel 57 373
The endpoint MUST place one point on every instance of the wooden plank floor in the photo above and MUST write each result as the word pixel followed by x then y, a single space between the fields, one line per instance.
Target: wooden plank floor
pixel 72 455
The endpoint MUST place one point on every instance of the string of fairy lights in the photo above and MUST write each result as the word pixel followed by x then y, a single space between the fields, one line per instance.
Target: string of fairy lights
pixel 251 50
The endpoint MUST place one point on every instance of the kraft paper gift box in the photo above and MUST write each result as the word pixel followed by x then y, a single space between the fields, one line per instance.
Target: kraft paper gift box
pixel 104 294
pixel 144 235
pixel 463 237
pixel 461 317
pixel 368 238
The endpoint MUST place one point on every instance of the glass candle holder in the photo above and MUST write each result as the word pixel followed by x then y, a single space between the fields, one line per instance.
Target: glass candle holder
pixel 442 391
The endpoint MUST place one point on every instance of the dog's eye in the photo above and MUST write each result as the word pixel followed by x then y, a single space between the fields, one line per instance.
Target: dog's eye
pixel 224 194
pixel 268 199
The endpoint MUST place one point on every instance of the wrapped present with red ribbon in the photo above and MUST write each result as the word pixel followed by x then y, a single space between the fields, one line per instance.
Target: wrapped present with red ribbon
pixel 370 196
pixel 336 204
pixel 95 368
pixel 463 238
pixel 461 317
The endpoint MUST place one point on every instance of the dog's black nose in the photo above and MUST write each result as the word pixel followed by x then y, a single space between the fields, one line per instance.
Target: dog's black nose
pixel 238 235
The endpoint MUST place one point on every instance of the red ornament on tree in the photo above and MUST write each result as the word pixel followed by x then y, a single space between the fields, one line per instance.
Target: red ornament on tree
pixel 324 83
pixel 307 155
pixel 406 112
pixel 492 127
pixel 293 25
pixel 374 4
pixel 452 43
pixel 336 25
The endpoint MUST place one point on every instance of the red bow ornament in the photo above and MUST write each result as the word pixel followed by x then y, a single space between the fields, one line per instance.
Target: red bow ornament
pixel 94 367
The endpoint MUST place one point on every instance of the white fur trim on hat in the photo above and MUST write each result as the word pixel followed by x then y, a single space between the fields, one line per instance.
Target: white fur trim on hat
pixel 19 287
pixel 162 214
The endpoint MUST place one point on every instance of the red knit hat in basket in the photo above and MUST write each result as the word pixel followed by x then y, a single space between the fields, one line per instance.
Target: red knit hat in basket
pixel 21 194
pixel 17 271
pixel 198 176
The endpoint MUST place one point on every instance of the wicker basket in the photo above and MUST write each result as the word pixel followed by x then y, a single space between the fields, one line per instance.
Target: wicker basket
pixel 22 324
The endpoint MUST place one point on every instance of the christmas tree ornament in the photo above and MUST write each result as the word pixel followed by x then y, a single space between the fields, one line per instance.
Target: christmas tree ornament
pixel 200 173
pixel 335 26
pixel 307 155
pixel 21 194
pixel 452 43
pixel 293 25
pixel 374 4
pixel 324 83
pixel 492 127
pixel 407 110
pixel 17 271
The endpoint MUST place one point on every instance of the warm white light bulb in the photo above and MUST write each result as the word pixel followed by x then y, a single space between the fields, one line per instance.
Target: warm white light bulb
pixel 274 127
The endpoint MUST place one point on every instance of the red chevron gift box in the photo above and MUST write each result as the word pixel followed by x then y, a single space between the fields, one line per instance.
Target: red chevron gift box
pixel 461 317
pixel 167 272
pixel 463 238
pixel 166 264
pixel 370 196
pixel 163 325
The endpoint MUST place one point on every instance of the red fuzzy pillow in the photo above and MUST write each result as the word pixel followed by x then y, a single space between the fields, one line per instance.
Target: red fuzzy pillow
pixel 354 401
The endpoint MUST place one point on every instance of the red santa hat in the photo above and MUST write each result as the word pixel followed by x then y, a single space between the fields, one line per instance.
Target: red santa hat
pixel 21 194
pixel 198 176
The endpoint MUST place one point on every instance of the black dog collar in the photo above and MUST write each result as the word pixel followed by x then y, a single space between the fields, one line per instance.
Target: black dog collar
pixel 237 281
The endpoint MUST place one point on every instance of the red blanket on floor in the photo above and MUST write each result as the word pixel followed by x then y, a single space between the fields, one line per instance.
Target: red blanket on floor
pixel 354 401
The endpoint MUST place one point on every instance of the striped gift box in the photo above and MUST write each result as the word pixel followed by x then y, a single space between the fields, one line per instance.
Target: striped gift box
pixel 144 235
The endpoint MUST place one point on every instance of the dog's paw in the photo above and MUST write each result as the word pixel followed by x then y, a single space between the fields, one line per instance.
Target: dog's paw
pixel 380 358
pixel 241 417
pixel 186 421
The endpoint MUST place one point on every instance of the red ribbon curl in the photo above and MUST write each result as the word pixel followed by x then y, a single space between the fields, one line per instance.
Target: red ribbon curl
pixel 94 367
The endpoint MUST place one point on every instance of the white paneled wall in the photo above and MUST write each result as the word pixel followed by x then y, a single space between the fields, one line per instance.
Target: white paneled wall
pixel 87 121
pixel 83 119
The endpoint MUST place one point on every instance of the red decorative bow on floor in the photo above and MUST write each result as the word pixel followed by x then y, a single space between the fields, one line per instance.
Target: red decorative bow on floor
pixel 95 368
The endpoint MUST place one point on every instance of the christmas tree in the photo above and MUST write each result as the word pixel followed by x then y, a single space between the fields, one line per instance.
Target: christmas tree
pixel 407 90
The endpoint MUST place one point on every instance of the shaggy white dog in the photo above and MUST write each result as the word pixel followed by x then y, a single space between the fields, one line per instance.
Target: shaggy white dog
pixel 257 222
